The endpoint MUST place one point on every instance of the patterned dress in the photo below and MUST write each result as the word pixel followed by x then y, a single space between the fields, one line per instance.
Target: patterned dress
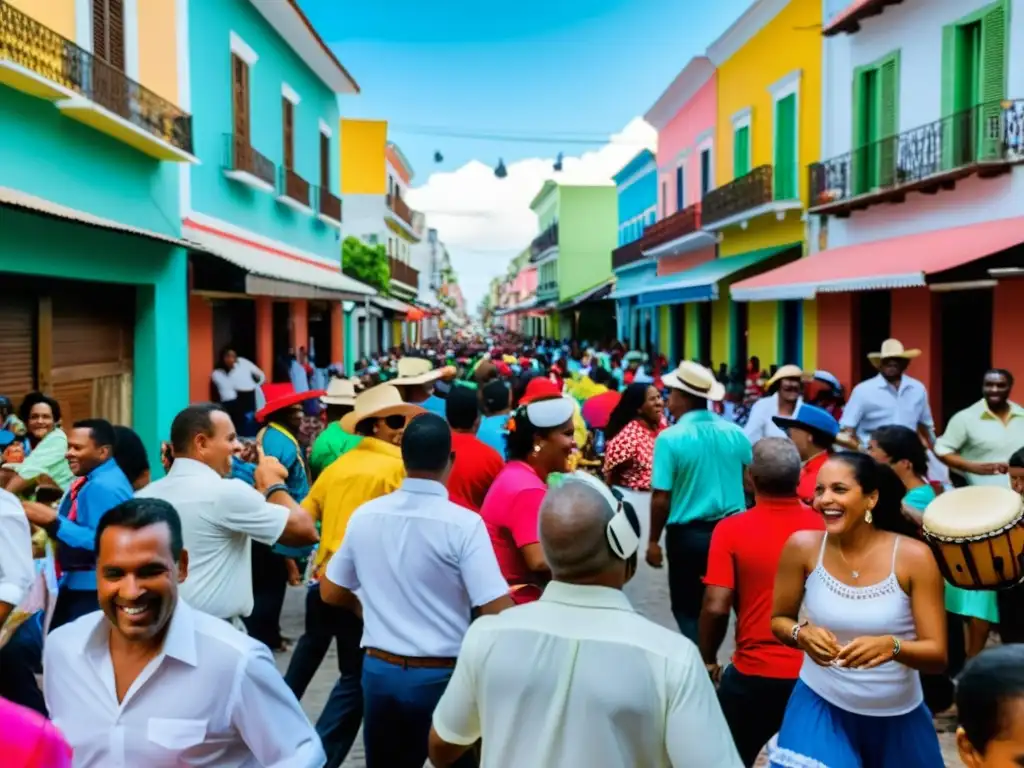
pixel 629 456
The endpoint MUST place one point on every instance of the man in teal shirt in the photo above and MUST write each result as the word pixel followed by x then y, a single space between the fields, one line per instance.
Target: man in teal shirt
pixel 697 479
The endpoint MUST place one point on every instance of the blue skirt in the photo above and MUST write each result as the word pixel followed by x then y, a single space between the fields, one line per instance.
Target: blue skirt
pixel 817 734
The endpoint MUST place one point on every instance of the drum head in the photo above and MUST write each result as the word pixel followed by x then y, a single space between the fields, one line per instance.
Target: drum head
pixel 977 511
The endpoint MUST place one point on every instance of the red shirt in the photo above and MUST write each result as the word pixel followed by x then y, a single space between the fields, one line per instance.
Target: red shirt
pixel 809 478
pixel 510 513
pixel 476 465
pixel 744 557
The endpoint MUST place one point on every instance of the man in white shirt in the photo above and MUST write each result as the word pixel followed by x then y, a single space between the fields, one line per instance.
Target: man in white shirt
pixel 220 515
pixel 578 678
pixel 17 571
pixel 420 566
pixel 150 681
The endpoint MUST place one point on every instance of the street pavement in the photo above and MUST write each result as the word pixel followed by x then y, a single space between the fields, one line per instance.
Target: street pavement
pixel 648 591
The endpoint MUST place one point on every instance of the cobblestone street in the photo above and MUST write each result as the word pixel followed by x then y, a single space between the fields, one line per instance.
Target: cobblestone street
pixel 648 592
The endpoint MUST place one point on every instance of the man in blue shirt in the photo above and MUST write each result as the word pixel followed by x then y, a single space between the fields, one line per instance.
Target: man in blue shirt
pixel 696 480
pixel 99 486
pixel 497 403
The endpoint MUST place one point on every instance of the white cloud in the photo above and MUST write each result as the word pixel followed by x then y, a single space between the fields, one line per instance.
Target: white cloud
pixel 486 221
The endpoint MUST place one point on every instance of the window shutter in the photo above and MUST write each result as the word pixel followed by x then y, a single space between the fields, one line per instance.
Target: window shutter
pixel 288 120
pixel 993 80
pixel 949 70
pixel 115 34
pixel 785 148
pixel 741 152
pixel 888 105
pixel 240 88
pixel 858 160
pixel 679 188
pixel 99 28
pixel 325 162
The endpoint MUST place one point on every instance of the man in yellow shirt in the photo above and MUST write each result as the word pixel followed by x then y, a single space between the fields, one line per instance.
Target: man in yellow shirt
pixel 372 469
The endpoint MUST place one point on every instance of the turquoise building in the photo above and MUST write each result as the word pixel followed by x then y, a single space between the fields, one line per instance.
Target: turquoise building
pixel 93 270
pixel 637 193
pixel 263 210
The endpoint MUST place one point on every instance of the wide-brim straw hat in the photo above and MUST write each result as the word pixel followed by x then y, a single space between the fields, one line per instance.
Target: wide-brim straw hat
pixel 785 372
pixel 378 402
pixel 892 348
pixel 415 370
pixel 340 392
pixel 696 380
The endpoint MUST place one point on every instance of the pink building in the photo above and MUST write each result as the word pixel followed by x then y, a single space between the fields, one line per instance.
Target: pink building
pixel 519 290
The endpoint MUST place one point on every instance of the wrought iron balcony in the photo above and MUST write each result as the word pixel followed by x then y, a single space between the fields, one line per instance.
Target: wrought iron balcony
pixel 245 164
pixel 329 206
pixel 401 209
pixel 548 289
pixel 738 196
pixel 403 273
pixel 679 224
pixel 984 140
pixel 42 63
pixel 545 240
pixel 293 189
pixel 627 254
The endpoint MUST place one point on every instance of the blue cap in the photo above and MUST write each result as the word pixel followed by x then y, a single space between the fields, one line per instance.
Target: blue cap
pixel 812 418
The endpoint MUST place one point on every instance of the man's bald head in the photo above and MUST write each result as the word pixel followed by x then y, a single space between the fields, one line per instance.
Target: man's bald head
pixel 573 523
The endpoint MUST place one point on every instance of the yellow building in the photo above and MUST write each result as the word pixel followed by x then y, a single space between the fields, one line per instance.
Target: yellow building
pixel 768 130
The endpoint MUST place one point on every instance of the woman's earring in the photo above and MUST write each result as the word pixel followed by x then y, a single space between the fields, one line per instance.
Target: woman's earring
pixel 536 448
pixel 867 516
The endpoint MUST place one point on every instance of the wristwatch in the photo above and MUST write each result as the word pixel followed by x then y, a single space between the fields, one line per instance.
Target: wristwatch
pixel 274 489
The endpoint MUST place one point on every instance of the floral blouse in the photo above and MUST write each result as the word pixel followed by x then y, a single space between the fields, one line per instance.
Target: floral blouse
pixel 629 456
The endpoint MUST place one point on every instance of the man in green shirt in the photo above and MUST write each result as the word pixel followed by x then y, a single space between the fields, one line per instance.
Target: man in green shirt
pixel 334 441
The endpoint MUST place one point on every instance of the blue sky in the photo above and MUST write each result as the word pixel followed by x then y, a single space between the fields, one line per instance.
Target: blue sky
pixel 530 68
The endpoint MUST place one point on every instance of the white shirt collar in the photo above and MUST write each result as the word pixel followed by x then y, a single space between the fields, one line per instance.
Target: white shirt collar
pixel 191 468
pixel 427 487
pixel 586 596
pixel 179 642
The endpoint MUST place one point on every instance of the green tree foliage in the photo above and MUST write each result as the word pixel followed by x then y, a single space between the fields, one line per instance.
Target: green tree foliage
pixel 366 263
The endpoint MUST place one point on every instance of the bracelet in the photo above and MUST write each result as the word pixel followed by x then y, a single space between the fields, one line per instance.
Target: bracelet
pixel 274 489
pixel 896 647
pixel 796 630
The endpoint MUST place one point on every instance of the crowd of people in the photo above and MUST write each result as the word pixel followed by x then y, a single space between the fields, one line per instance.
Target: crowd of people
pixel 470 522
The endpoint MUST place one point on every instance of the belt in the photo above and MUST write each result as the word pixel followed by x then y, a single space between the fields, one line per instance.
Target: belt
pixel 412 662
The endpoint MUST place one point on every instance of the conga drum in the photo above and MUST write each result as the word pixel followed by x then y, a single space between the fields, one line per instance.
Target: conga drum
pixel 977 534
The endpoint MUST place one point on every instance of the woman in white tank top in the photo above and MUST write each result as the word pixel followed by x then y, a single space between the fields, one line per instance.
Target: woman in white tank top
pixel 874 618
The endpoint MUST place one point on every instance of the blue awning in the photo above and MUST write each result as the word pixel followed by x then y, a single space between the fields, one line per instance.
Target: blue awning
pixel 701 282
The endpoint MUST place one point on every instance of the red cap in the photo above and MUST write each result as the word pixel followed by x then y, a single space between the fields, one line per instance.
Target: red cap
pixel 540 389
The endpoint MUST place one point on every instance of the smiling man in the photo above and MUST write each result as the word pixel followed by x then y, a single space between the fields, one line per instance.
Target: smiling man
pixel 151 681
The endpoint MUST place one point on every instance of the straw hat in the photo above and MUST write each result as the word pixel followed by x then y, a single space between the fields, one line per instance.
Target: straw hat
pixel 340 392
pixel 785 372
pixel 416 370
pixel 695 379
pixel 377 403
pixel 892 348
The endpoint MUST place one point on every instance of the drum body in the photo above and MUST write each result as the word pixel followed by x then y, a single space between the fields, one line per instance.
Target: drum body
pixel 977 535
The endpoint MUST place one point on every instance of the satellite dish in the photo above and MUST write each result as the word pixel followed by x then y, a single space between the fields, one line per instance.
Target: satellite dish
pixel 501 171
pixel 558 162
pixel 438 157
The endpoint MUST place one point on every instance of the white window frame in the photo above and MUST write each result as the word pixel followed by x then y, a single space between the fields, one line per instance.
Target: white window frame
pixel 788 85
pixel 325 129
pixel 83 25
pixel 243 50
pixel 290 94
pixel 744 119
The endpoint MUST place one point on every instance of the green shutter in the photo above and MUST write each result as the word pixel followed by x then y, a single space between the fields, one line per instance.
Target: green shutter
pixel 741 152
pixel 949 70
pixel 993 80
pixel 858 169
pixel 887 126
pixel 785 148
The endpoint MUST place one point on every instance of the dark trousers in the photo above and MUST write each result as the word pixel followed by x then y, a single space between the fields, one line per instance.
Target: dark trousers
pixel 1011 614
pixel 269 584
pixel 686 548
pixel 399 705
pixel 753 707
pixel 73 604
pixel 21 659
pixel 339 722
pixel 324 624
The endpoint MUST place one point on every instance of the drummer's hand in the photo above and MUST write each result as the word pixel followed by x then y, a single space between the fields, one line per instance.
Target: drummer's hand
pixel 989 468
pixel 865 652
pixel 818 643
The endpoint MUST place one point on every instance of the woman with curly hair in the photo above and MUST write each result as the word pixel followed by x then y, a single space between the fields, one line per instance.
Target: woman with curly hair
pixel 46 446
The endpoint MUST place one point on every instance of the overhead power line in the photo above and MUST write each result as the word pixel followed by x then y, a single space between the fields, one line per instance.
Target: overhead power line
pixel 481 135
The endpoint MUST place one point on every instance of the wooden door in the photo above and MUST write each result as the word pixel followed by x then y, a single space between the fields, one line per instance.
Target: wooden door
pixel 288 121
pixel 17 347
pixel 325 162
pixel 109 85
pixel 240 98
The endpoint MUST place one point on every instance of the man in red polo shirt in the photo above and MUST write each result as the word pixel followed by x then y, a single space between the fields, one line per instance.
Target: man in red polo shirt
pixel 476 463
pixel 742 561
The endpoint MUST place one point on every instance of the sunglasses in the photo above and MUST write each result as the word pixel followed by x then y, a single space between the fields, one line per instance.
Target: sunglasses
pixel 395 421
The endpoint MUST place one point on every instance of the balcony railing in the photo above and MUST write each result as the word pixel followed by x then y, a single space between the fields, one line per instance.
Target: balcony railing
pixel 739 195
pixel 551 286
pixel 627 254
pixel 403 273
pixel 26 42
pixel 400 208
pixel 329 205
pixel 240 156
pixel 679 224
pixel 983 140
pixel 545 240
pixel 294 187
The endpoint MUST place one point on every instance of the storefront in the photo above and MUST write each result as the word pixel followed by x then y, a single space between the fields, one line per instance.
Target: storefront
pixel 93 314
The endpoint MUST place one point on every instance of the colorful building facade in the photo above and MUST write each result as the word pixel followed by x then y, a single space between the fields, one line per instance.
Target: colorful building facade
pixel 917 203
pixel 263 209
pixel 94 131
